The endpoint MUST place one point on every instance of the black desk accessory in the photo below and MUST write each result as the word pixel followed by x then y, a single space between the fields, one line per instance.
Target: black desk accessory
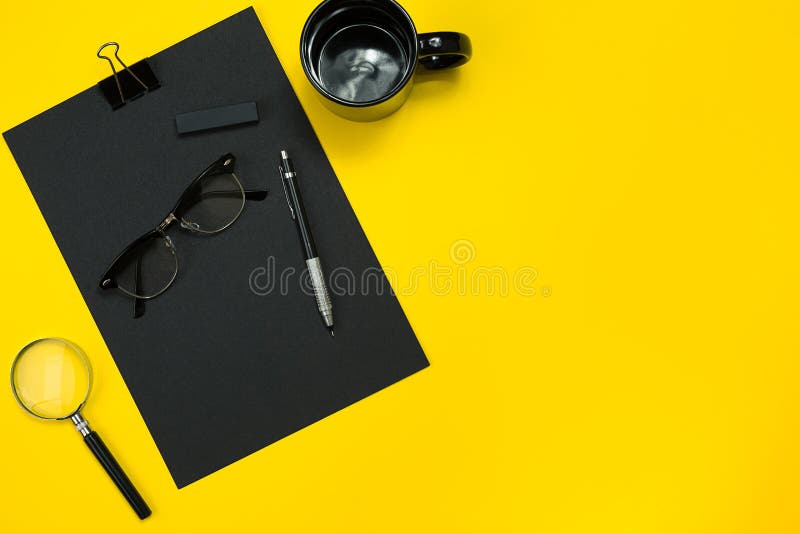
pixel 362 55
pixel 220 117
pixel 226 363
pixel 300 217
pixel 128 84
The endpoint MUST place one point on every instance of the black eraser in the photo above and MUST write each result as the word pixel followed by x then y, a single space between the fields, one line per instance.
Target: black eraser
pixel 208 119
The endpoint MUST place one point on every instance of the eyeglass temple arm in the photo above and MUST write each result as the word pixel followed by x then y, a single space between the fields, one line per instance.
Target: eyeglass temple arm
pixel 255 194
pixel 138 304
pixel 249 194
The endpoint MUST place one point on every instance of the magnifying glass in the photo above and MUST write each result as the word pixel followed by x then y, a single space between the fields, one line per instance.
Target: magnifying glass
pixel 51 379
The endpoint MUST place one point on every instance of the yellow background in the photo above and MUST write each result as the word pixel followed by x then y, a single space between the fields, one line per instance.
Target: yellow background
pixel 641 156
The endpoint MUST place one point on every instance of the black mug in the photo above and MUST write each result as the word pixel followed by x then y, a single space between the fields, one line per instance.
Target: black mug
pixel 362 55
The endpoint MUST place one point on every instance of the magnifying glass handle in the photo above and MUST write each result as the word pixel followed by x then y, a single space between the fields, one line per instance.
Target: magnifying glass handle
pixel 116 473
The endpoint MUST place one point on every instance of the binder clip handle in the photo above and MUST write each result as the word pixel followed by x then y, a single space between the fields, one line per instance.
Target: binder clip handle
pixel 130 82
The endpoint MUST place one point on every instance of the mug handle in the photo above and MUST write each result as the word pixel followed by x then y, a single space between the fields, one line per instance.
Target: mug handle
pixel 443 50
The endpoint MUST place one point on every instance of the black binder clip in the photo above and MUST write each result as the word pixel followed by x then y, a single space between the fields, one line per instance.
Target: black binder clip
pixel 129 83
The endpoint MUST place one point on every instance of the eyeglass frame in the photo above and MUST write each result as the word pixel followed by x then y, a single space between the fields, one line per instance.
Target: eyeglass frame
pixel 224 165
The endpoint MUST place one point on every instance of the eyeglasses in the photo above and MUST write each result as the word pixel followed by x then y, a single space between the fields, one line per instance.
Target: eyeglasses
pixel 212 203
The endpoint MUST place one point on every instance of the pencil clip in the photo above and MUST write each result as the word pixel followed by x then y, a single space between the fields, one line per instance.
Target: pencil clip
pixel 129 83
pixel 285 191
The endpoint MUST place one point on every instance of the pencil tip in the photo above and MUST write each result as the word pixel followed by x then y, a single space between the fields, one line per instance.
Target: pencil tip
pixel 331 329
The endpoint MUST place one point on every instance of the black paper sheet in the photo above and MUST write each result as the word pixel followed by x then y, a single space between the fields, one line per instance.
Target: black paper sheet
pixel 216 369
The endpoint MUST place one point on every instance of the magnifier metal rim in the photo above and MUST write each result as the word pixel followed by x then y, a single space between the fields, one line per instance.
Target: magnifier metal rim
pixel 80 354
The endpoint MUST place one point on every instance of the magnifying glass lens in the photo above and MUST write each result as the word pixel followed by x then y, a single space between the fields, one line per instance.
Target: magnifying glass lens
pixel 51 378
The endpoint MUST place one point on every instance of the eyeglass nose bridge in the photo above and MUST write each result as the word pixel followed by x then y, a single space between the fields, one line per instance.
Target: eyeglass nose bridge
pixel 166 222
